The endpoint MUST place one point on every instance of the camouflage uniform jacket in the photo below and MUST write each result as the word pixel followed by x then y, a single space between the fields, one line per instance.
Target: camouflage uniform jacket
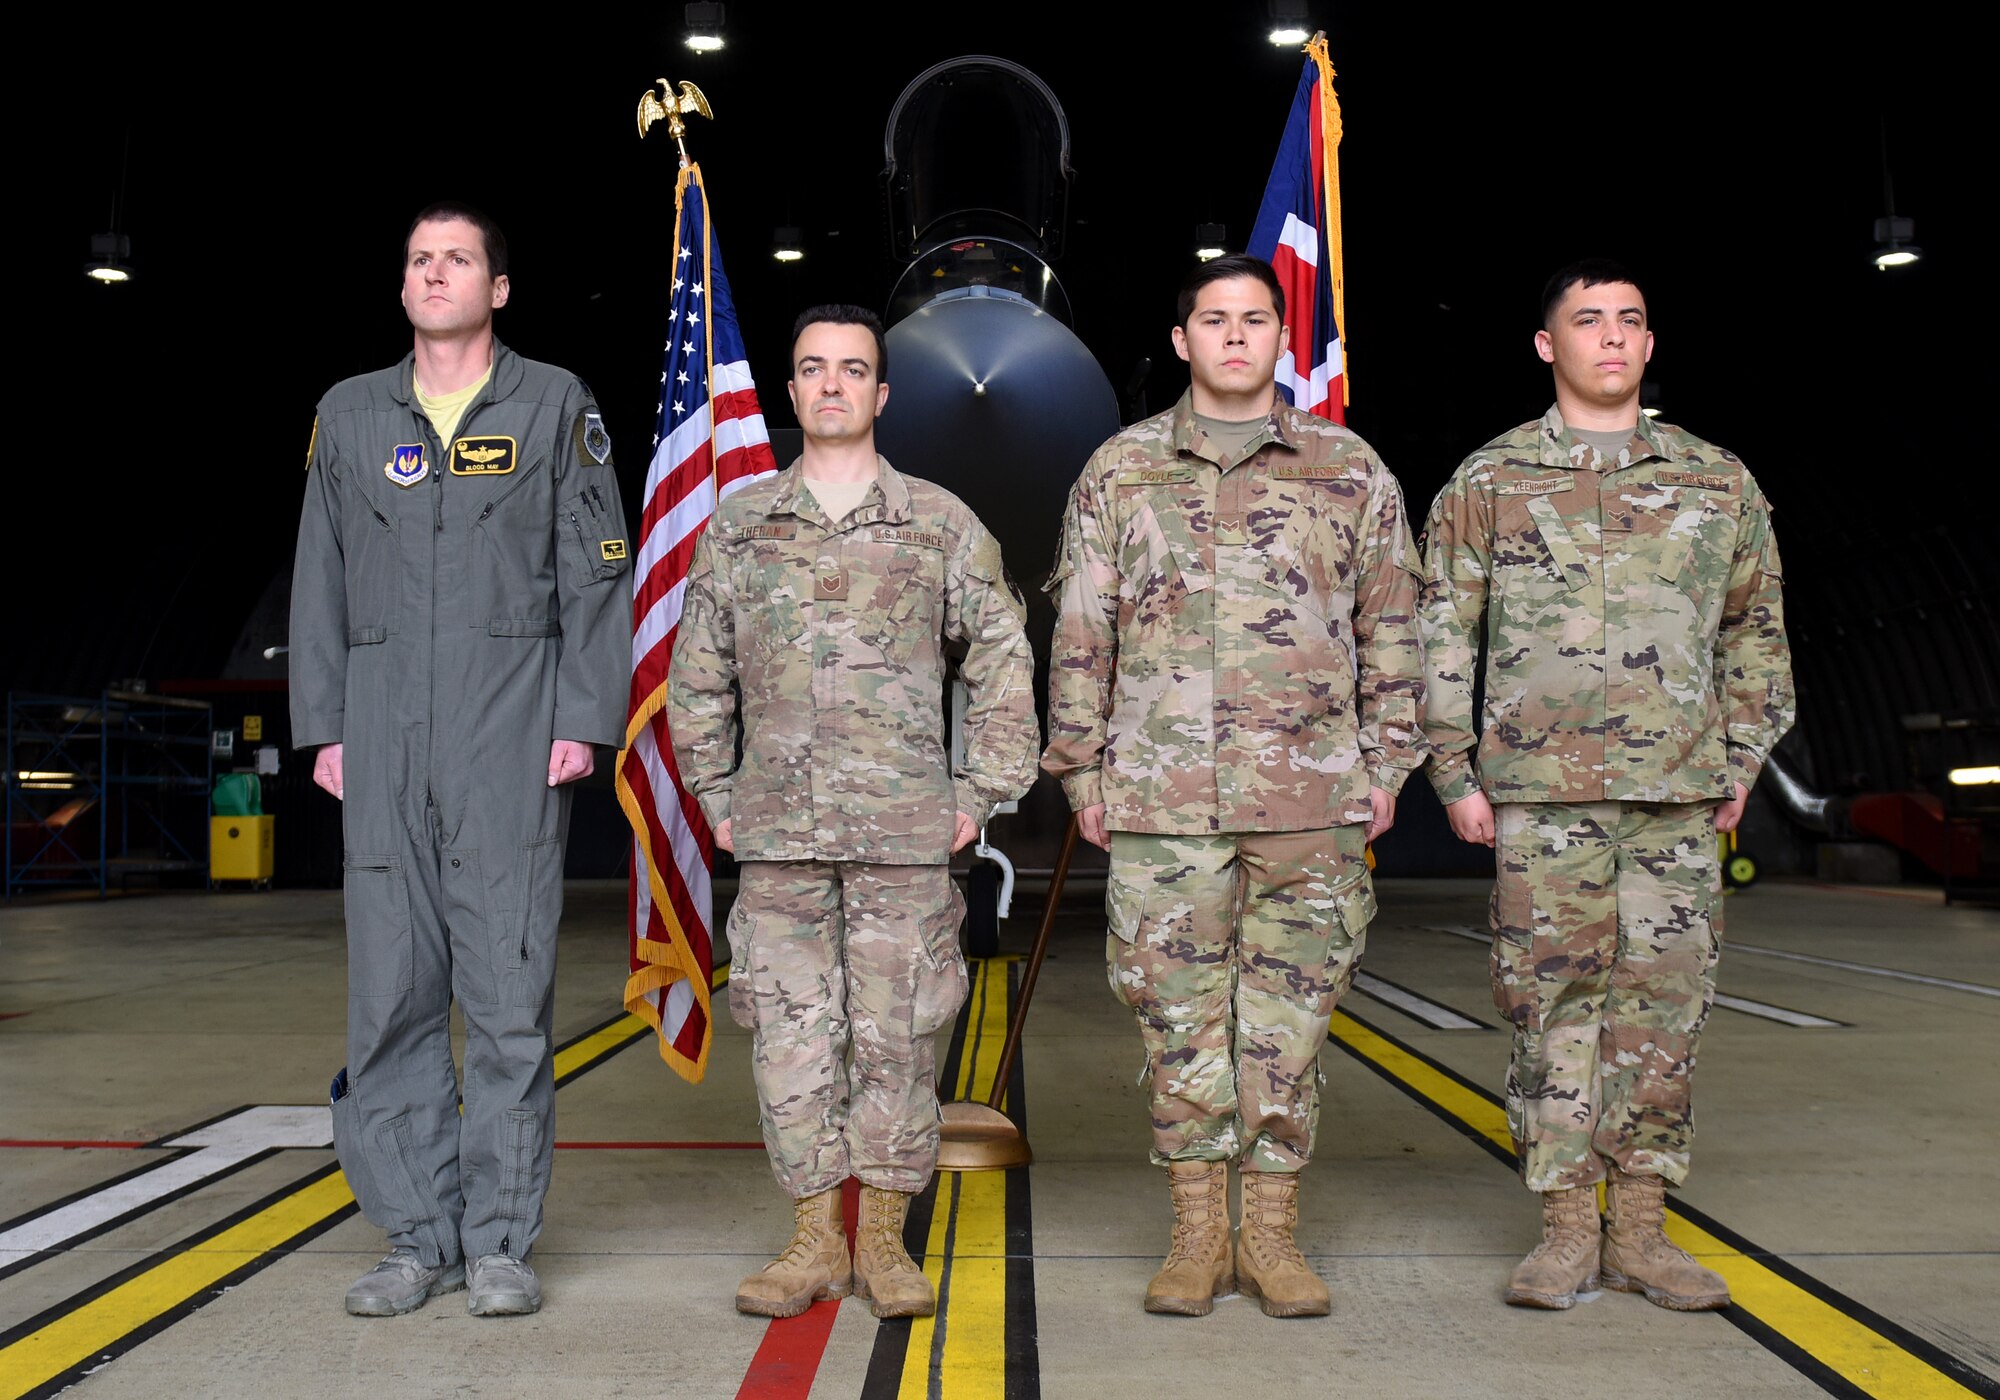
pixel 1236 643
pixel 1632 614
pixel 831 634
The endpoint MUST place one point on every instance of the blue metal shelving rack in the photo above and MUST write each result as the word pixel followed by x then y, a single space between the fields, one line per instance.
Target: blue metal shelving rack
pixel 130 769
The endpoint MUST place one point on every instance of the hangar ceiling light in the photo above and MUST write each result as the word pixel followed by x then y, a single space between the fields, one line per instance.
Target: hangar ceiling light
pixel 704 27
pixel 1289 25
pixel 108 252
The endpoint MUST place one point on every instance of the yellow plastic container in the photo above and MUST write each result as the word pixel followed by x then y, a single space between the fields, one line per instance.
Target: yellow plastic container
pixel 239 848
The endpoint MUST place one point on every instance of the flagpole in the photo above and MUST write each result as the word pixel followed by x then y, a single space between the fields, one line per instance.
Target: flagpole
pixel 647 986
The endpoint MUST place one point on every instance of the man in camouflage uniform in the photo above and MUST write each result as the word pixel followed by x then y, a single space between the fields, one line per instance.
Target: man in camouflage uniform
pixel 1625 583
pixel 1237 682
pixel 822 597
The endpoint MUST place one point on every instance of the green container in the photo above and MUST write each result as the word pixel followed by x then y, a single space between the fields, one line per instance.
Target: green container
pixel 238 795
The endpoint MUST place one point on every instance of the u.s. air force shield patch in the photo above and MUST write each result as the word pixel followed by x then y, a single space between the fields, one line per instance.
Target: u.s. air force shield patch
pixel 406 466
pixel 596 441
pixel 482 456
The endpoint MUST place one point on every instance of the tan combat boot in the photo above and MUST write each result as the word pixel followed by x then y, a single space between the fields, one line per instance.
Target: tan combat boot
pixel 813 1266
pixel 1564 1264
pixel 1269 1266
pixel 1198 1268
pixel 884 1273
pixel 1639 1258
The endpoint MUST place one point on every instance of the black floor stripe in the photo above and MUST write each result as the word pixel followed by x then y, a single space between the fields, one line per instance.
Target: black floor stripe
pixel 640 1032
pixel 1024 1349
pixel 886 1358
pixel 143 1208
pixel 1928 1352
pixel 208 1122
pixel 1438 1110
pixel 55 1385
pixel 103 1286
pixel 158 1324
pixel 174 1154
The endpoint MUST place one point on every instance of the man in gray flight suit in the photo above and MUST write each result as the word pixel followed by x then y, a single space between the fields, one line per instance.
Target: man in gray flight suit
pixel 456 620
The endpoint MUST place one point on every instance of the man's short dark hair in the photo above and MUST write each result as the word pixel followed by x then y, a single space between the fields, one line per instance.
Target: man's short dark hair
pixel 1586 272
pixel 489 232
pixel 842 313
pixel 1221 270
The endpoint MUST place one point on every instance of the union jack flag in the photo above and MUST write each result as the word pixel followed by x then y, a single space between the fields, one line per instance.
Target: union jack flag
pixel 709 440
pixel 1298 233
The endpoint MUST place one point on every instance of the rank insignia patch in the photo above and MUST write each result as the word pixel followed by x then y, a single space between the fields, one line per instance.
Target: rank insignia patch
pixel 611 549
pixel 596 441
pixel 482 456
pixel 408 466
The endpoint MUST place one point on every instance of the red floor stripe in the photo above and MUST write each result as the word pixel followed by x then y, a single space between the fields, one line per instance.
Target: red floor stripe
pixel 662 1146
pixel 788 1358
pixel 63 1142
pixel 568 1146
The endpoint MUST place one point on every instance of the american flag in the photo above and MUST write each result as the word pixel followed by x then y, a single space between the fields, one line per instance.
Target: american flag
pixel 1298 233
pixel 709 440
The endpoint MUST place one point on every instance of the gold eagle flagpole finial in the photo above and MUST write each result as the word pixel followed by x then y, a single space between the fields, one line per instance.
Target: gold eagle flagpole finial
pixel 652 109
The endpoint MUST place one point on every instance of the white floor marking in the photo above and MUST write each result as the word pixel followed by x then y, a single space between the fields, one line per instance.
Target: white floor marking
pixel 1770 1012
pixel 1429 1012
pixel 1745 1005
pixel 1976 988
pixel 219 1146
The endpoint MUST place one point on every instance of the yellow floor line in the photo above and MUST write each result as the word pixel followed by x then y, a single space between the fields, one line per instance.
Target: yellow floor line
pixel 72 1339
pixel 1853 1350
pixel 76 1336
pixel 971 1211
pixel 571 1057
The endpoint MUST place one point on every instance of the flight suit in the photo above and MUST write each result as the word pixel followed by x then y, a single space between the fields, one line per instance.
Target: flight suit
pixel 1236 663
pixel 1632 614
pixel 832 635
pixel 456 608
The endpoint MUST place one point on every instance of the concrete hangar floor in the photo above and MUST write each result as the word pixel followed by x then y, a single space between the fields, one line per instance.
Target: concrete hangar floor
pixel 172 1222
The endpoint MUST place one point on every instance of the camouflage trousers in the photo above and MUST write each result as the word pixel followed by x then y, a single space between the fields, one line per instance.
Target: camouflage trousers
pixel 1607 922
pixel 1233 950
pixel 831 957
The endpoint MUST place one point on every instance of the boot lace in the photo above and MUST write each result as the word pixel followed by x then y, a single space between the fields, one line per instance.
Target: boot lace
pixel 1198 1202
pixel 1641 1220
pixel 884 1239
pixel 1269 1225
pixel 803 1245
pixel 1566 1229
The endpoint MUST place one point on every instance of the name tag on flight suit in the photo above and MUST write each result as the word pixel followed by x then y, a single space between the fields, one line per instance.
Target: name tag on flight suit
pixel 482 456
